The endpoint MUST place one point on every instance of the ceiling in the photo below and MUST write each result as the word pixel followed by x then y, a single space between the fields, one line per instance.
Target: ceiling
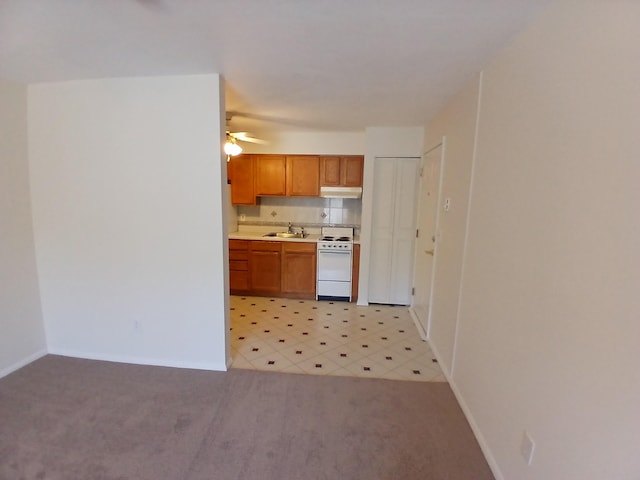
pixel 333 65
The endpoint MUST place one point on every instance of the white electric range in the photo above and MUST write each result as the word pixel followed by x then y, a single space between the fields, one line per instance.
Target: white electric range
pixel 335 258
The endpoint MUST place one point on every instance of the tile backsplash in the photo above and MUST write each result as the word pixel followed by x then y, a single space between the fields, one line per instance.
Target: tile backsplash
pixel 303 211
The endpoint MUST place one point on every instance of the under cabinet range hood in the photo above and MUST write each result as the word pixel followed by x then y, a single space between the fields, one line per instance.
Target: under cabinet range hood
pixel 341 192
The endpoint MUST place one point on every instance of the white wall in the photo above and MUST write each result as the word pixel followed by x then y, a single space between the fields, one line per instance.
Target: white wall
pixel 319 143
pixel 381 142
pixel 455 125
pixel 394 142
pixel 549 323
pixel 129 218
pixel 22 336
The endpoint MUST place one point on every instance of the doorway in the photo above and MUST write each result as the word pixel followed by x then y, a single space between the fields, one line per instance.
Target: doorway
pixel 426 243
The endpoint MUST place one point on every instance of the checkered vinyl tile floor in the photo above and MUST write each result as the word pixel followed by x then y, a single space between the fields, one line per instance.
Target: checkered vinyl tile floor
pixel 329 338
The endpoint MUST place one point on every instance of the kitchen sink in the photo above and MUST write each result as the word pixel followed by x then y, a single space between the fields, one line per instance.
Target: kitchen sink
pixel 286 235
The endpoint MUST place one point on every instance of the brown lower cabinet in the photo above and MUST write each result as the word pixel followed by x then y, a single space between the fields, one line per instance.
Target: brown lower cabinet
pixel 278 269
pixel 239 266
pixel 355 272
pixel 265 259
pixel 299 270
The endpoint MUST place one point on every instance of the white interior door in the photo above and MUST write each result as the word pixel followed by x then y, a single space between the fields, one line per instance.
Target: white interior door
pixel 393 230
pixel 384 184
pixel 404 230
pixel 426 241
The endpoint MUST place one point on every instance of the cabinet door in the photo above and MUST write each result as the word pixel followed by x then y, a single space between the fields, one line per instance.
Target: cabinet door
pixel 355 272
pixel 241 174
pixel 299 269
pixel 264 266
pixel 303 176
pixel 238 281
pixel 270 175
pixel 330 171
pixel 351 170
pixel 345 171
pixel 239 266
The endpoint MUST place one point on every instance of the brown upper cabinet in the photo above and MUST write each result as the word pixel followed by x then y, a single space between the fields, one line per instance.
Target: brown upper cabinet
pixel 241 172
pixel 288 175
pixel 270 175
pixel 341 171
pixel 303 175
pixel 254 175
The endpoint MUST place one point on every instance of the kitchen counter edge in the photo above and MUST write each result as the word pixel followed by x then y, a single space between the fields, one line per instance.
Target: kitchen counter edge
pixel 312 238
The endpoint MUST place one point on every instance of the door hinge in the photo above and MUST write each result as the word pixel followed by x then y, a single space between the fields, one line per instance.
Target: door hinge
pixel 417 233
pixel 413 290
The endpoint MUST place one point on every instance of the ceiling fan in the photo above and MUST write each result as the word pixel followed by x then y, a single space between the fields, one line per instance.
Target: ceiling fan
pixel 231 147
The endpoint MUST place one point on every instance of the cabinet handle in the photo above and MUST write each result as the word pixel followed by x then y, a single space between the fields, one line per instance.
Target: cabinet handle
pixel 429 252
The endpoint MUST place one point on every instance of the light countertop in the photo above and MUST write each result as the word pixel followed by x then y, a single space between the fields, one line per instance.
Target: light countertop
pixel 258 233
pixel 311 238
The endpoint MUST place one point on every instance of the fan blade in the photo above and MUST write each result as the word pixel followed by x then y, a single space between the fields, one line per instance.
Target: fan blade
pixel 246 137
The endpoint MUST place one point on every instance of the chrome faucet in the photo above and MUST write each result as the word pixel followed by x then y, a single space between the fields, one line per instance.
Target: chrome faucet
pixel 290 229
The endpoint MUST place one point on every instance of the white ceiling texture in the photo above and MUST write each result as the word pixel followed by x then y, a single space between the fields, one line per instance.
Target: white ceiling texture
pixel 334 65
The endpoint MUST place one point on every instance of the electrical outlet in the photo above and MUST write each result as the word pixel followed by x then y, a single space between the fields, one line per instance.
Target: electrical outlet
pixel 243 217
pixel 136 326
pixel 447 204
pixel 527 447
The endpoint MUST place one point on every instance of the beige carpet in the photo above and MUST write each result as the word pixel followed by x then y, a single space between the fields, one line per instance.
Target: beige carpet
pixel 68 419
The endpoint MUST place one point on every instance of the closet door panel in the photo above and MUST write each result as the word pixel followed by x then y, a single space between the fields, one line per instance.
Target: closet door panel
pixel 382 230
pixel 393 230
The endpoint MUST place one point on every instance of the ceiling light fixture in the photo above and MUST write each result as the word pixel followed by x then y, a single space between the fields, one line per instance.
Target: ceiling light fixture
pixel 231 148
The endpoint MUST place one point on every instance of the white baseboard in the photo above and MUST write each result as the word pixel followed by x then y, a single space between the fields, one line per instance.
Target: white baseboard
pixel 421 330
pixel 441 364
pixel 25 361
pixel 484 446
pixel 138 360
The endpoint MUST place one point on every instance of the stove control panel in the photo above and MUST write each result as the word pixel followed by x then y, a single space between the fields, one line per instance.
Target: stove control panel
pixel 335 246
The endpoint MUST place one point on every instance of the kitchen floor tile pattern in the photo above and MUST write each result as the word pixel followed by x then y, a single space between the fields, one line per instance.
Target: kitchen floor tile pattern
pixel 329 338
